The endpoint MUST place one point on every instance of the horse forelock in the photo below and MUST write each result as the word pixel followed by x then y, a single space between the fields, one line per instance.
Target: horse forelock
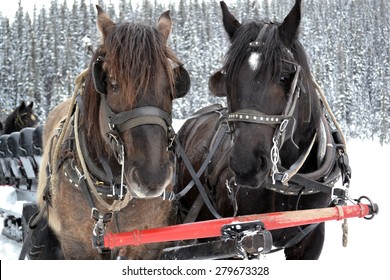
pixel 271 53
pixel 138 53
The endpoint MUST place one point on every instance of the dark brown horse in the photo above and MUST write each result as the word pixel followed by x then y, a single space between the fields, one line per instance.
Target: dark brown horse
pixel 23 116
pixel 109 169
pixel 277 154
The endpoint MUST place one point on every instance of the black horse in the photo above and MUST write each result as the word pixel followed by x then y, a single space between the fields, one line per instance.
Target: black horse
pixel 23 116
pixel 277 152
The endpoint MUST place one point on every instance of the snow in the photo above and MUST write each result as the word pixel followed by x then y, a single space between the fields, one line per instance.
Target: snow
pixel 367 238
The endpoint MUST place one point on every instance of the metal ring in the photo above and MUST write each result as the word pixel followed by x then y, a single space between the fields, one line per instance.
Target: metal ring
pixel 283 125
pixel 373 206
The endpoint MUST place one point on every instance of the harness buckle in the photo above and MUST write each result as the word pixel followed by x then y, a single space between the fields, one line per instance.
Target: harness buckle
pixel 79 174
pixel 116 145
pixel 101 222
pixel 285 178
pixel 283 125
pixel 111 126
pixel 171 138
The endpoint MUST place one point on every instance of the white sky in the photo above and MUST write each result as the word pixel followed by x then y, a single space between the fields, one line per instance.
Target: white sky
pixel 11 7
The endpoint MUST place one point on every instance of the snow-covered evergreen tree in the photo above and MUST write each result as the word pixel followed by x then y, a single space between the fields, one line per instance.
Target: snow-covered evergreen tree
pixel 42 52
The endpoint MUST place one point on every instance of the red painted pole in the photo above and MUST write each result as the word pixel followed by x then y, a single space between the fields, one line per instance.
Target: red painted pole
pixel 212 228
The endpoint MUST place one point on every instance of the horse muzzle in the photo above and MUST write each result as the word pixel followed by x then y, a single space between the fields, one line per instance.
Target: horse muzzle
pixel 144 183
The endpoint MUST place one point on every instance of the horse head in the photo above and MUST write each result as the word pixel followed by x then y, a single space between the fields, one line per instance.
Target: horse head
pixel 23 116
pixel 267 82
pixel 135 77
pixel 26 116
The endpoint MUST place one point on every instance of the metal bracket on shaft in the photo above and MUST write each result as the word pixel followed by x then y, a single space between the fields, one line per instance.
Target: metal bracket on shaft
pixel 251 238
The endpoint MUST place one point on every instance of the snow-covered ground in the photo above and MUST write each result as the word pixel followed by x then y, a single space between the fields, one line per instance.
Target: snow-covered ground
pixel 367 238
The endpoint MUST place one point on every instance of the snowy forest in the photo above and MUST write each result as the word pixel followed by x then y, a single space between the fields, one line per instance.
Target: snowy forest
pixel 346 41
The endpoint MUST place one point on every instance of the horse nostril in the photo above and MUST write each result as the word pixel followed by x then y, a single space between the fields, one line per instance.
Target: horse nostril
pixel 264 165
pixel 243 168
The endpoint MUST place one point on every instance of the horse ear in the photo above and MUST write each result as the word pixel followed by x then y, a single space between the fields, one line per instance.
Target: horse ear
pixel 104 23
pixel 22 106
pixel 230 23
pixel 289 29
pixel 182 83
pixel 30 106
pixel 165 24
pixel 217 84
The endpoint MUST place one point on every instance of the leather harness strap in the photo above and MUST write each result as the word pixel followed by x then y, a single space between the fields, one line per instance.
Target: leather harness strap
pixel 179 149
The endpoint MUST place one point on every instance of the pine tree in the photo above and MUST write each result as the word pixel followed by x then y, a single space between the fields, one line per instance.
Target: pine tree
pixel 346 42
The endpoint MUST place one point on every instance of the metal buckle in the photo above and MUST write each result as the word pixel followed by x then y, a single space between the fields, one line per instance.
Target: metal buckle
pixel 171 138
pixel 79 174
pixel 99 228
pixel 343 197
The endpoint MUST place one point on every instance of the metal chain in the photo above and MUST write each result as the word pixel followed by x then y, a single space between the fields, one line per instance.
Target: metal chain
pixel 275 149
pixel 274 159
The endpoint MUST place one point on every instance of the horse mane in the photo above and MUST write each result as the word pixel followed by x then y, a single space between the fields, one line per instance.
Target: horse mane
pixel 140 52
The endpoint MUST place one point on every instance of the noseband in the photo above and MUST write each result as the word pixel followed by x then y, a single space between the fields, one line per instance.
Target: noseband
pixel 123 121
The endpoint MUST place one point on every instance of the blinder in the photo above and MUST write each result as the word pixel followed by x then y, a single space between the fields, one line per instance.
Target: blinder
pixel 99 76
pixel 217 84
pixel 182 82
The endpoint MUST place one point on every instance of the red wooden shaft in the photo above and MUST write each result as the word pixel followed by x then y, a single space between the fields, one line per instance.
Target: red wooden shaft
pixel 212 228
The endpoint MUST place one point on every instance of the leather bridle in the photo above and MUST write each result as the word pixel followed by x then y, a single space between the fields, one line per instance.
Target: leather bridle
pixel 280 122
pixel 126 120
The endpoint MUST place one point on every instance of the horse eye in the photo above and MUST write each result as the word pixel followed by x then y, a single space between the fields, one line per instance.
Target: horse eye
pixel 284 77
pixel 285 81
pixel 114 86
